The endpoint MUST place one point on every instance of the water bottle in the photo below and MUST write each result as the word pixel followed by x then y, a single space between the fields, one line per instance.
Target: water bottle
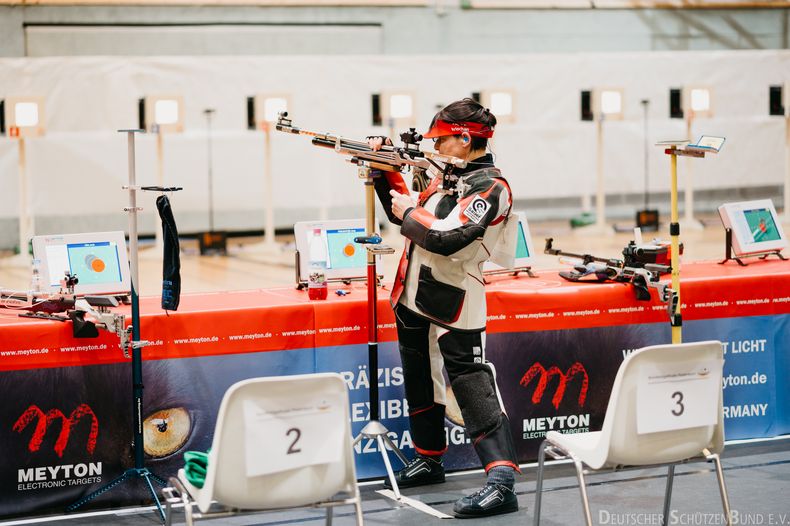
pixel 316 281
pixel 35 279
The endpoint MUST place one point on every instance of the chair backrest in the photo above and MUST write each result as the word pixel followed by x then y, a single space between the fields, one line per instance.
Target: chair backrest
pixel 621 444
pixel 227 479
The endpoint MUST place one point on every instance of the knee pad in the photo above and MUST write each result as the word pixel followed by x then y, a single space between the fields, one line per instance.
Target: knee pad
pixel 478 402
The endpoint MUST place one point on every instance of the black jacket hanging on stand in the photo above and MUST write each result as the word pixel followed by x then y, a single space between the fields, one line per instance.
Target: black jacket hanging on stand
pixel 171 262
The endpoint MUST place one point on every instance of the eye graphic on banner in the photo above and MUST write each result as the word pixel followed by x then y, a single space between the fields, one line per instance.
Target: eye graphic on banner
pixel 537 370
pixel 45 420
pixel 165 431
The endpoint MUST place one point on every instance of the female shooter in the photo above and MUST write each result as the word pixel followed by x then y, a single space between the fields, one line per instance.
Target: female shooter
pixel 440 306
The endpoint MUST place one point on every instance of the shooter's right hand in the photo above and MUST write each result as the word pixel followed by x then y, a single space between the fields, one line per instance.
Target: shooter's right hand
pixel 377 141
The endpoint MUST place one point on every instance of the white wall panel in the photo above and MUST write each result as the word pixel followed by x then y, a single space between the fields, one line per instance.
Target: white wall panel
pixel 547 153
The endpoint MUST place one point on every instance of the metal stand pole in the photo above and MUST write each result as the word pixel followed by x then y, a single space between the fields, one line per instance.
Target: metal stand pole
pixel 139 470
pixel 160 181
pixel 674 231
pixel 645 104
pixel 374 429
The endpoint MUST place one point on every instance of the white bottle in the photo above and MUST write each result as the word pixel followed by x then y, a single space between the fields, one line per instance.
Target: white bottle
pixel 316 281
pixel 35 279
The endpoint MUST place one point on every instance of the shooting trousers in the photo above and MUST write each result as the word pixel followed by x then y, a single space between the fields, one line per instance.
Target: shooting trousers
pixel 424 348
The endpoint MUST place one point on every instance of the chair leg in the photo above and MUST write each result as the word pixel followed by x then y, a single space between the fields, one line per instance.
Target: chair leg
pixel 539 482
pixel 168 508
pixel 358 509
pixel 583 491
pixel 329 515
pixel 668 494
pixel 188 519
pixel 725 501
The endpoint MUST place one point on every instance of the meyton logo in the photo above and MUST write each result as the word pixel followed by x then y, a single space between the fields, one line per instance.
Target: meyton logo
pixel 537 369
pixel 44 420
pixel 537 427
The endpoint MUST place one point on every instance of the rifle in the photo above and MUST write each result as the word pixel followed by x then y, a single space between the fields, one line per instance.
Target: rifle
pixel 641 266
pixel 389 158
pixel 65 306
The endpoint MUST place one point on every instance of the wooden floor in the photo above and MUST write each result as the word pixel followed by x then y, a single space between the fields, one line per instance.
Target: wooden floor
pixel 247 266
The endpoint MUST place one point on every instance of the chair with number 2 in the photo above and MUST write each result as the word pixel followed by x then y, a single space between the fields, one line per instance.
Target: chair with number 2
pixel 279 442
pixel 665 408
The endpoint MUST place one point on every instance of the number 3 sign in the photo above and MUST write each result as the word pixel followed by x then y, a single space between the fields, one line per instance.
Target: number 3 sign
pixel 281 439
pixel 678 396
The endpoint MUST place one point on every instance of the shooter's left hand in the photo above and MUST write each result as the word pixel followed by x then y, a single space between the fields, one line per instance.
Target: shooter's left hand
pixel 400 203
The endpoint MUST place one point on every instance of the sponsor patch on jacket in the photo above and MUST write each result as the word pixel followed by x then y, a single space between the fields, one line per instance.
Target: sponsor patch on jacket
pixel 476 210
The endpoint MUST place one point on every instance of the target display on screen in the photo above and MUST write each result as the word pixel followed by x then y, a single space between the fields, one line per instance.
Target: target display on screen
pixel 755 226
pixel 98 259
pixel 345 259
pixel 341 249
pixel 95 263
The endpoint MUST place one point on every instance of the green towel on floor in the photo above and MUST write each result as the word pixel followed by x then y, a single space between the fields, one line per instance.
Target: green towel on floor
pixel 195 467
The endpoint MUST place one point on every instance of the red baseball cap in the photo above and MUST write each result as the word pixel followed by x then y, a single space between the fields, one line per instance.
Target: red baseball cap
pixel 442 128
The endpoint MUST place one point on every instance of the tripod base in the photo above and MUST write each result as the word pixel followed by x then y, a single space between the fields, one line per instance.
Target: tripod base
pixel 129 474
pixel 375 430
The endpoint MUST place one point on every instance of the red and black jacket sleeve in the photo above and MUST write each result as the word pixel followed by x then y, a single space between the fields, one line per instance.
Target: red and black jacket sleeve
pixel 463 225
pixel 383 182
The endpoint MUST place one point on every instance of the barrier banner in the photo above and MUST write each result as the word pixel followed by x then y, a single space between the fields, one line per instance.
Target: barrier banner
pixel 65 432
pixel 66 417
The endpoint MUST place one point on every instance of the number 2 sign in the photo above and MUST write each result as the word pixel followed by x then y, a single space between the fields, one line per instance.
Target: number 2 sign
pixel 281 439
pixel 678 396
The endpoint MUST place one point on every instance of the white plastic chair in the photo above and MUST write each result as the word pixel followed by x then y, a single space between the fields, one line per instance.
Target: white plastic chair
pixel 228 485
pixel 618 445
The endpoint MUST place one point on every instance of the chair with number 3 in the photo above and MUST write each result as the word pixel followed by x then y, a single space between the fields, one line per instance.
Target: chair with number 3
pixel 665 409
pixel 280 442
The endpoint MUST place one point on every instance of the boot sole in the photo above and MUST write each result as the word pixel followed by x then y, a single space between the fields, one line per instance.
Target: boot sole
pixel 499 510
pixel 403 485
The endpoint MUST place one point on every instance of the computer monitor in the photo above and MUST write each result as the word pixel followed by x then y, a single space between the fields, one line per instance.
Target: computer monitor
pixel 345 259
pixel 98 259
pixel 524 250
pixel 755 226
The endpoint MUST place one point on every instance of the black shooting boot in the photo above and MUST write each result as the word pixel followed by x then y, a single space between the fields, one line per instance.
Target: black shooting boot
pixel 421 471
pixel 493 499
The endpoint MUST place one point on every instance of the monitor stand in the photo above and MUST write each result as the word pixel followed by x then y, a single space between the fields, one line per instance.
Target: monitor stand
pixel 728 251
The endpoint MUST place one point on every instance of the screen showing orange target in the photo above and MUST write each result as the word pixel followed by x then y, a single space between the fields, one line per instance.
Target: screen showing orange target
pixel 343 252
pixel 94 263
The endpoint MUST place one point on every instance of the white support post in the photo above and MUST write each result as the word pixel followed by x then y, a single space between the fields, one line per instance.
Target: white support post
pixel 689 222
pixel 786 203
pixel 268 189
pixel 26 221
pixel 600 195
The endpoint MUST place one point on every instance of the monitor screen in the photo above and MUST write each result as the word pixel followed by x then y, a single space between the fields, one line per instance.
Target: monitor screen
pixel 524 248
pixel 97 259
pixel 342 251
pixel 755 226
pixel 345 259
